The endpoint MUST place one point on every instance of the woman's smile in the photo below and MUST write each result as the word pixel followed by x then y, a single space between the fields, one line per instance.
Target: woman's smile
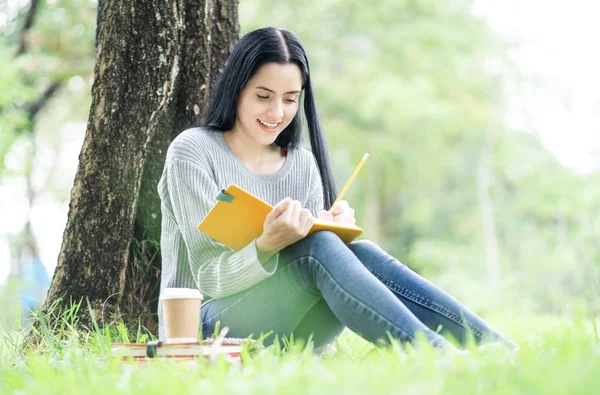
pixel 268 127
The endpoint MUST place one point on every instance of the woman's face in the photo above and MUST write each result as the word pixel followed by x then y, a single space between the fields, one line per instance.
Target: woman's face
pixel 269 102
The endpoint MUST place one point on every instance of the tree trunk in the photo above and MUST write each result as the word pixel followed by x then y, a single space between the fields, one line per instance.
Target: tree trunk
pixel 155 63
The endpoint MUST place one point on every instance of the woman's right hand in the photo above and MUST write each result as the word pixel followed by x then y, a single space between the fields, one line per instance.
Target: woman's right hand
pixel 287 223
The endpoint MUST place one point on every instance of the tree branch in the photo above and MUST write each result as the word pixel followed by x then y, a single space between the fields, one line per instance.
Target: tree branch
pixel 23 42
pixel 36 106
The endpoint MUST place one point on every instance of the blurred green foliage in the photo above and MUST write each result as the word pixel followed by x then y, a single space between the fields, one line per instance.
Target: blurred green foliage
pixel 421 86
pixel 59 49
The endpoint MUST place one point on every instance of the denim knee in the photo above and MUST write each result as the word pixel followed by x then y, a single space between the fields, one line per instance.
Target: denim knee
pixel 365 250
pixel 324 238
pixel 370 253
pixel 363 246
pixel 324 247
pixel 317 242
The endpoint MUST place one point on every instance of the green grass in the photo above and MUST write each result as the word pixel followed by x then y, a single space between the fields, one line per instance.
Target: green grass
pixel 558 356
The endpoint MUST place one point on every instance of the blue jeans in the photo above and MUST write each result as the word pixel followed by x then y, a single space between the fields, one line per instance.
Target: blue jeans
pixel 322 286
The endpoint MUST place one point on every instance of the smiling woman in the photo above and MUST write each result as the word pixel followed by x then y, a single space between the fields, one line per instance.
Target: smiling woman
pixel 262 82
pixel 286 281
pixel 267 105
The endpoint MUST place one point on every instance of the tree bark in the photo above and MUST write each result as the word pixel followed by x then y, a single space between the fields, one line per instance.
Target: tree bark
pixel 155 63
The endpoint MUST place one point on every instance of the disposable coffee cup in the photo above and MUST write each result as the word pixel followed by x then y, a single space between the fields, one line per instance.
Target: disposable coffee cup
pixel 181 313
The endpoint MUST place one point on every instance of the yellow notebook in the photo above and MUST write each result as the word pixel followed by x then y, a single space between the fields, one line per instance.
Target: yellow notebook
pixel 238 217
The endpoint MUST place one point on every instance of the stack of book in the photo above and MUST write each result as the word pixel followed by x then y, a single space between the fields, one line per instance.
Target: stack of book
pixel 228 349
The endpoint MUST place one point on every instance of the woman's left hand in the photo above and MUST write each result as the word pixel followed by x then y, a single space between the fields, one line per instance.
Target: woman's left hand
pixel 340 213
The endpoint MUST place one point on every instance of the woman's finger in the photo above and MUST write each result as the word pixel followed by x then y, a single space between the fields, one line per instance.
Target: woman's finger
pixel 286 216
pixel 305 221
pixel 339 207
pixel 295 216
pixel 278 210
pixel 347 217
pixel 325 216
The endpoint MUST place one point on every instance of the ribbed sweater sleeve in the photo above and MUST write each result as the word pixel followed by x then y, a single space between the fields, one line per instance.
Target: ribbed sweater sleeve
pixel 218 270
pixel 316 201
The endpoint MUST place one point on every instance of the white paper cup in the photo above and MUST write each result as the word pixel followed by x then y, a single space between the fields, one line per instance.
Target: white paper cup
pixel 181 313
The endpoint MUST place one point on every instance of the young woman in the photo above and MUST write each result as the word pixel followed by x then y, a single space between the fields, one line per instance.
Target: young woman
pixel 284 281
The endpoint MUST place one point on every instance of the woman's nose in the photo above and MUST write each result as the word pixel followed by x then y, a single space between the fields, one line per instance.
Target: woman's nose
pixel 275 110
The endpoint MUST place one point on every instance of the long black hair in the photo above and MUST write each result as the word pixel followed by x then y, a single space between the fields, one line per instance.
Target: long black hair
pixel 252 51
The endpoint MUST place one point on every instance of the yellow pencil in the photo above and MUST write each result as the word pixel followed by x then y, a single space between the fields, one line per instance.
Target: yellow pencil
pixel 352 177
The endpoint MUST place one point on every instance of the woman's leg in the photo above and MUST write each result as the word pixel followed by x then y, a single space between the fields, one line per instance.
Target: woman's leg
pixel 357 298
pixel 431 305
pixel 320 324
pixel 319 267
pixel 282 303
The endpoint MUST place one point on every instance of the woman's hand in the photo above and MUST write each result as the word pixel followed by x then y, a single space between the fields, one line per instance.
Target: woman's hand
pixel 340 213
pixel 287 223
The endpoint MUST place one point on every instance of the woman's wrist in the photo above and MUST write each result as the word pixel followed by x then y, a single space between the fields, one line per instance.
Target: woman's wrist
pixel 263 250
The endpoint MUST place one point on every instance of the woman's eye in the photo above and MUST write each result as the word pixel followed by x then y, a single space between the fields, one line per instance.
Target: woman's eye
pixel 261 97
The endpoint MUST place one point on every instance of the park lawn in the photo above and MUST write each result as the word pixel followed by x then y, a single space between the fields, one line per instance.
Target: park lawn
pixel 558 356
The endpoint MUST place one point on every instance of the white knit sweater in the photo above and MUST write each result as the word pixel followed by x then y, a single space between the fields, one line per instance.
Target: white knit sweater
pixel 199 163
